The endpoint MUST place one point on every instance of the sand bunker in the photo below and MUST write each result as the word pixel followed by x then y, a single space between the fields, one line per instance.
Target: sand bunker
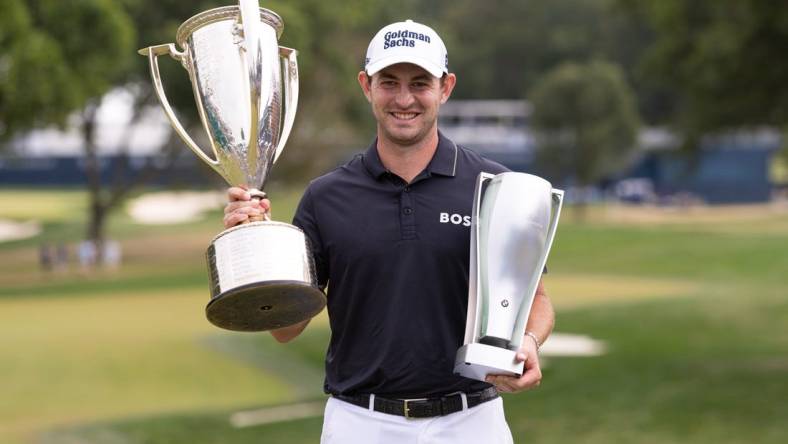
pixel 565 344
pixel 12 230
pixel 174 207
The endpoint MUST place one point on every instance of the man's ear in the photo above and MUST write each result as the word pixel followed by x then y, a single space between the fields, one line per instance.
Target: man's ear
pixel 365 82
pixel 447 86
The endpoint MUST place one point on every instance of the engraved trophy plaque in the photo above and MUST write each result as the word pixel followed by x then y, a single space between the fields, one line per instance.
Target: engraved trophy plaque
pixel 246 89
pixel 514 220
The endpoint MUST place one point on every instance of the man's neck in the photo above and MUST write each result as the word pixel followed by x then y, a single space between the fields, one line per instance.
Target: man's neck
pixel 407 161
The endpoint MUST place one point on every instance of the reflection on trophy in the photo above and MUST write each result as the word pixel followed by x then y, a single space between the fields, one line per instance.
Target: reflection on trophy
pixel 246 88
pixel 515 216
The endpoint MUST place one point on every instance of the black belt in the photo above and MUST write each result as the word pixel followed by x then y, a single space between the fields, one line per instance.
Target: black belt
pixel 423 407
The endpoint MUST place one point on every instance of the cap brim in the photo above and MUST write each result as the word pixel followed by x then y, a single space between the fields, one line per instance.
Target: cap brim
pixel 375 67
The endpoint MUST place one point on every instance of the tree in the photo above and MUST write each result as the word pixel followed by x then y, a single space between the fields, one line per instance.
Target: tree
pixel 57 58
pixel 46 69
pixel 724 59
pixel 501 51
pixel 585 119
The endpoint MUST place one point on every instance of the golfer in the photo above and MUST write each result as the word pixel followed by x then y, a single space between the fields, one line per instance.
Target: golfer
pixel 390 232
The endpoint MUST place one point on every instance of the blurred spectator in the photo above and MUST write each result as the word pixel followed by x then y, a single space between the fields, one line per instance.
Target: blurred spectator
pixel 61 257
pixel 45 257
pixel 112 254
pixel 87 254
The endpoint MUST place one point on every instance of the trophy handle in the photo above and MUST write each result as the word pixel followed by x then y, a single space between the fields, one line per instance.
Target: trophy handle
pixel 290 71
pixel 153 53
pixel 476 309
pixel 558 203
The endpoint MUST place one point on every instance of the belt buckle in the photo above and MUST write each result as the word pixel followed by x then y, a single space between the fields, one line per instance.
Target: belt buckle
pixel 406 408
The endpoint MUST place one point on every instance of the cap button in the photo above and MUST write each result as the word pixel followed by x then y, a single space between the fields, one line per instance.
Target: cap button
pixel 408 21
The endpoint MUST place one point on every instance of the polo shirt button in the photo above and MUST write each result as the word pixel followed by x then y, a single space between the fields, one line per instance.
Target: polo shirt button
pixel 407 189
pixel 407 210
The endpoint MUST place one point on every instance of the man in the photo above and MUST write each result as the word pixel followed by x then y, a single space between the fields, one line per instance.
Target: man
pixel 398 266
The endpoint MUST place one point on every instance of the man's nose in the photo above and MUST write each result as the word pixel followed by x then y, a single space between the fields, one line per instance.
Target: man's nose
pixel 404 97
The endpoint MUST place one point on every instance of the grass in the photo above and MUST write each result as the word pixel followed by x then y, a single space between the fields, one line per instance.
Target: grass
pixel 102 345
pixel 204 428
pixel 693 310
pixel 63 215
pixel 691 253
pixel 119 354
pixel 44 205
pixel 706 368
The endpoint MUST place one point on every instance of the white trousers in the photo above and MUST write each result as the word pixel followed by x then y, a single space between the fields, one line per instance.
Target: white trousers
pixel 345 423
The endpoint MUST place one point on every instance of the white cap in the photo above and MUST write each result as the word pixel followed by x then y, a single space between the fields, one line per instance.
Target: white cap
pixel 407 42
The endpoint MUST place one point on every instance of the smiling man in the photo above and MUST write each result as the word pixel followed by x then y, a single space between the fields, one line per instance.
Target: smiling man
pixel 390 235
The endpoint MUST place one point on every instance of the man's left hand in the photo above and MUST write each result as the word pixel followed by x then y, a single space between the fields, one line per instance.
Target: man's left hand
pixel 532 374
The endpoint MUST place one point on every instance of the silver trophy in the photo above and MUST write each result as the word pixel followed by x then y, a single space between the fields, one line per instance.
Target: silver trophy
pixel 246 88
pixel 515 216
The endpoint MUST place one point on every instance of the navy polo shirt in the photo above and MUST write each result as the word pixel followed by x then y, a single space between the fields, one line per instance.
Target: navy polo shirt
pixel 395 257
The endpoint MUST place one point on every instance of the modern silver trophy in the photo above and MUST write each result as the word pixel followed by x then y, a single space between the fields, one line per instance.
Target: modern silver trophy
pixel 514 219
pixel 246 88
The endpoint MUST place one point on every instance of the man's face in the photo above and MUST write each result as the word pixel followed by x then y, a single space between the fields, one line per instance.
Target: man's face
pixel 405 100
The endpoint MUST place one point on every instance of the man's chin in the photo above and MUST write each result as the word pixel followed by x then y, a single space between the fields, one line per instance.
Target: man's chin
pixel 405 139
pixel 407 136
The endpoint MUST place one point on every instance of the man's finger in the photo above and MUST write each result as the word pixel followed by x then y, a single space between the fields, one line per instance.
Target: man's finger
pixel 501 383
pixel 233 219
pixel 249 209
pixel 509 384
pixel 495 381
pixel 529 380
pixel 237 193
pixel 266 205
pixel 240 204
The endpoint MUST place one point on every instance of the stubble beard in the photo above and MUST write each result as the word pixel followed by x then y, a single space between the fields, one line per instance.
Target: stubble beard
pixel 411 139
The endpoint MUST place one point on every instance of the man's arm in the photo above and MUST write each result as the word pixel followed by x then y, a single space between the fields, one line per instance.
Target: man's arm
pixel 542 318
pixel 287 334
pixel 540 324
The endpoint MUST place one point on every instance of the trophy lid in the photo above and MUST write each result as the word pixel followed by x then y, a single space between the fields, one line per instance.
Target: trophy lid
pixel 223 13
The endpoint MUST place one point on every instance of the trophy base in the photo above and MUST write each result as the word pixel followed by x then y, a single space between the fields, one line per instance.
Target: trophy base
pixel 265 306
pixel 476 361
pixel 261 278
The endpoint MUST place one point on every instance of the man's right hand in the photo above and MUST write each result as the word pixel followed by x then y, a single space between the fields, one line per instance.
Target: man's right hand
pixel 241 207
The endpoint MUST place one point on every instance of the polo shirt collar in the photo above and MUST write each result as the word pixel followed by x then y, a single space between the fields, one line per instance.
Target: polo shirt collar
pixel 372 162
pixel 443 162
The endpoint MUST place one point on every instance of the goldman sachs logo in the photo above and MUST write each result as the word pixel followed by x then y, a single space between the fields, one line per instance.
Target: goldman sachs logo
pixel 403 38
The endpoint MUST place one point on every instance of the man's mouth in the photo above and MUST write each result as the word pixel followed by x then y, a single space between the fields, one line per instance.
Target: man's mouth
pixel 404 116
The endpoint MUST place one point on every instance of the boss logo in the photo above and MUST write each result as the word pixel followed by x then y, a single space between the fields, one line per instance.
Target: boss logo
pixel 456 219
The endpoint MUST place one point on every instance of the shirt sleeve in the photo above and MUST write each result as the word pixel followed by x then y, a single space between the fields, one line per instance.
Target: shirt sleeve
pixel 493 167
pixel 306 219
